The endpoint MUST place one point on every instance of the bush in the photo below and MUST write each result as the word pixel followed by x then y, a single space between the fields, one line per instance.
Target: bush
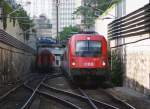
pixel 116 70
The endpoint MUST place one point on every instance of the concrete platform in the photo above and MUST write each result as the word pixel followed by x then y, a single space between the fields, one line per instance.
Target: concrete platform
pixel 138 100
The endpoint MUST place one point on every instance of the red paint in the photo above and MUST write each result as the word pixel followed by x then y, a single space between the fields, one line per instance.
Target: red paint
pixel 85 62
pixel 45 57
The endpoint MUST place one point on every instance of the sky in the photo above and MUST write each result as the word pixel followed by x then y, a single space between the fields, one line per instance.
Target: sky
pixel 132 5
pixel 38 7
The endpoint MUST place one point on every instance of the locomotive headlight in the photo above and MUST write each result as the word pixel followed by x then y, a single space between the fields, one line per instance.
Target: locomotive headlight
pixel 73 63
pixel 103 63
pixel 88 38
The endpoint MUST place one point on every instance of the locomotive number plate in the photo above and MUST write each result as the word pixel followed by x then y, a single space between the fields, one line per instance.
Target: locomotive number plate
pixel 89 64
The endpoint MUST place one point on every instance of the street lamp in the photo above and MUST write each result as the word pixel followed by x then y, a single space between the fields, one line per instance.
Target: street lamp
pixel 57 18
pixel 1 12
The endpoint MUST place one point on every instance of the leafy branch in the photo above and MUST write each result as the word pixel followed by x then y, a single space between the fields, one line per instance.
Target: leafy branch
pixel 92 9
pixel 67 31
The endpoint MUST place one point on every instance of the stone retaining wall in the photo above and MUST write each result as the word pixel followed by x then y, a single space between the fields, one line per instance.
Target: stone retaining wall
pixel 14 63
pixel 135 55
pixel 16 58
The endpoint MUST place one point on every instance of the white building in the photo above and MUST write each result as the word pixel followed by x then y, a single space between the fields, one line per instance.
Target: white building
pixel 129 40
pixel 43 26
pixel 65 13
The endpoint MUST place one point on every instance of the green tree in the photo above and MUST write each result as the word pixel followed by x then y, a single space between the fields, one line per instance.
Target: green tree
pixel 92 9
pixel 26 23
pixel 67 32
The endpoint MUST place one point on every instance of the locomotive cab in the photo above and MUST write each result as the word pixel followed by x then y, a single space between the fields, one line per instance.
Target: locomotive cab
pixel 87 57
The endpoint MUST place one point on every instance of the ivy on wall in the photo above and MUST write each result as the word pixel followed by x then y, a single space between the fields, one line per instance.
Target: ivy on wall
pixel 116 69
pixel 6 9
pixel 25 23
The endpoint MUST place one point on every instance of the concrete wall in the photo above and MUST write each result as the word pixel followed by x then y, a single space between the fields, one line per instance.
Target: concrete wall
pixel 17 32
pixel 135 54
pixel 15 64
pixel 14 31
pixel 134 51
pixel 16 61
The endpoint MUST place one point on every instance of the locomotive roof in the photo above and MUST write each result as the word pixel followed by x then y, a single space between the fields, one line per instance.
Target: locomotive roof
pixel 88 35
pixel 87 32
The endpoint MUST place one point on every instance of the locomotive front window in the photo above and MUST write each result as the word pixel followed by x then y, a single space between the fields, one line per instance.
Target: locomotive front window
pixel 88 48
pixel 81 46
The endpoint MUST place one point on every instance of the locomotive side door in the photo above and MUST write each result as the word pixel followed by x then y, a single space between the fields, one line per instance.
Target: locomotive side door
pixel 68 58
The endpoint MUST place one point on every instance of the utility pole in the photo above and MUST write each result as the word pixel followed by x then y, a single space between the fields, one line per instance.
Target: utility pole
pixel 57 21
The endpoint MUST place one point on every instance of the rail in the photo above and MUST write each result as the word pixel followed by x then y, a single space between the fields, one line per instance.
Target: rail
pixel 81 97
pixel 89 100
pixel 67 98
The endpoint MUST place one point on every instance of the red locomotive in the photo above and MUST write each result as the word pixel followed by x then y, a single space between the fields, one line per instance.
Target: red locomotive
pixel 45 57
pixel 45 60
pixel 85 57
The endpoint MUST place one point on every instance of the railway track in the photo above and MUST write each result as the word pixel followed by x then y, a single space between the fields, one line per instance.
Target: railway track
pixel 20 96
pixel 89 102
pixel 81 101
pixel 108 100
pixel 32 92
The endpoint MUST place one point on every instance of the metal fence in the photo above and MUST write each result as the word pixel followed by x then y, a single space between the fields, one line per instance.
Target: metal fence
pixel 135 23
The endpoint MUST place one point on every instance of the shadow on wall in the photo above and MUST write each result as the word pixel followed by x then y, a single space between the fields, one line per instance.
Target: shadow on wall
pixel 135 85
